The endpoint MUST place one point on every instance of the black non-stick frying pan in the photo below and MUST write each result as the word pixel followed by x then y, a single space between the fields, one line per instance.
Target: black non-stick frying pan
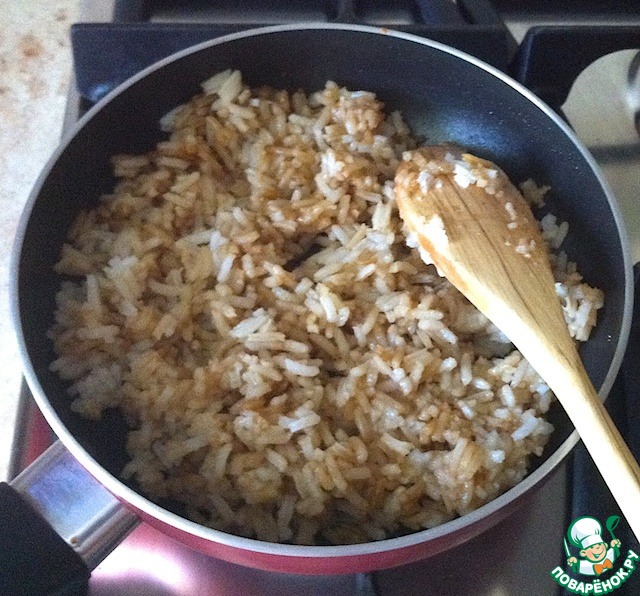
pixel 444 96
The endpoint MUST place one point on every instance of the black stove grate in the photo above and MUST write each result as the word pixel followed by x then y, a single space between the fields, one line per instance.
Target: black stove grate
pixel 106 54
pixel 480 12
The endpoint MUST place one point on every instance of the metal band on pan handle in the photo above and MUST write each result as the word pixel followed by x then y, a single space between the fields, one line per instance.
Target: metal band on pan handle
pixel 87 516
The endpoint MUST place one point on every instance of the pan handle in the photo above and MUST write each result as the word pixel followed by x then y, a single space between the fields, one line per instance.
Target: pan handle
pixel 57 523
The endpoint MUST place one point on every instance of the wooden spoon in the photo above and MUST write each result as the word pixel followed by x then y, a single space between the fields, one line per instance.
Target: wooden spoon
pixel 478 230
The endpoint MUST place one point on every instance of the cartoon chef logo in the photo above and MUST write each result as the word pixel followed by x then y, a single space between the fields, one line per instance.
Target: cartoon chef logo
pixel 592 567
pixel 596 556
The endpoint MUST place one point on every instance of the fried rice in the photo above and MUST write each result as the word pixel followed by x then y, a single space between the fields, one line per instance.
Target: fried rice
pixel 289 368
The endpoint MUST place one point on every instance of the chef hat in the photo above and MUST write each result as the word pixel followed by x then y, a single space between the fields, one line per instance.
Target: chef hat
pixel 585 532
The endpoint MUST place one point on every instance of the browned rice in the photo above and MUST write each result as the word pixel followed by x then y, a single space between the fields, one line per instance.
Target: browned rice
pixel 290 369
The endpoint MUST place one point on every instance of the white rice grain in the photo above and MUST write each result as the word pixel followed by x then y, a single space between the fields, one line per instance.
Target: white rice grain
pixel 300 368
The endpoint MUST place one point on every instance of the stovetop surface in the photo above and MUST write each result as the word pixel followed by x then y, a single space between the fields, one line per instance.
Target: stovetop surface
pixel 516 556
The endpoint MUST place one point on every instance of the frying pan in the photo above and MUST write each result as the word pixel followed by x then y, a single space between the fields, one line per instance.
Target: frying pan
pixel 444 95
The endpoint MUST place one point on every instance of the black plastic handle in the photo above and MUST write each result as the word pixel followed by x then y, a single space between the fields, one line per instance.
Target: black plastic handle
pixel 34 560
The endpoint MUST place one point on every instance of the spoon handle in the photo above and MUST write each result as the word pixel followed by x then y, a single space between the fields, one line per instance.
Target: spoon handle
pixel 600 436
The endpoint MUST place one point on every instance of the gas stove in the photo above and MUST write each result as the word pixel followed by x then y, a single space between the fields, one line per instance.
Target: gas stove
pixel 545 47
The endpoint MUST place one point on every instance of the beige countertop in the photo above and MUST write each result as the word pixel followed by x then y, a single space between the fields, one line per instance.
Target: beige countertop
pixel 35 68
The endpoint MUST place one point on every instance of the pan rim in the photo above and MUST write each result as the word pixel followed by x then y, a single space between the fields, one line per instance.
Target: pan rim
pixel 456 526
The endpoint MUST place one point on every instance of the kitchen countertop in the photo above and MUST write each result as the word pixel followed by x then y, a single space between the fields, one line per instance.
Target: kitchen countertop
pixel 35 69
